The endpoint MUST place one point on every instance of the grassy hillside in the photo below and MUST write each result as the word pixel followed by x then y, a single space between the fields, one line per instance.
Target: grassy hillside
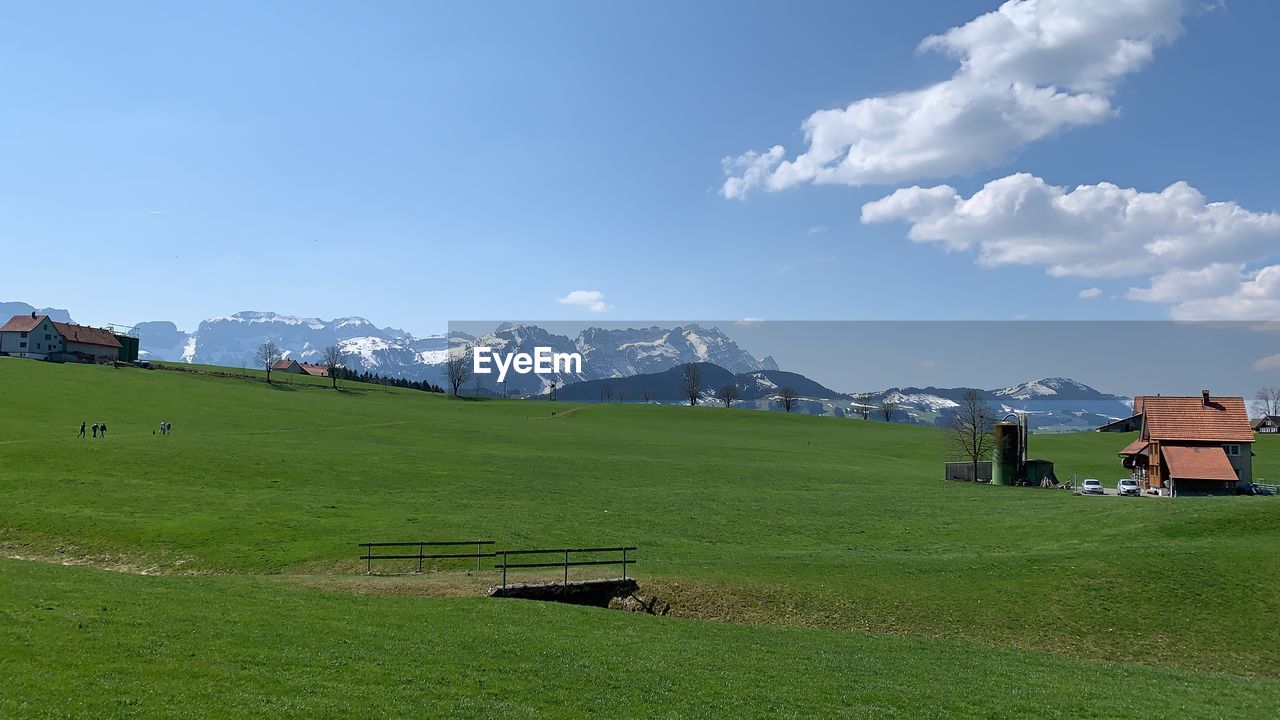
pixel 88 643
pixel 744 516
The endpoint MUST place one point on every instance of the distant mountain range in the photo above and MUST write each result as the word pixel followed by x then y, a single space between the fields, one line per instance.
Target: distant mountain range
pixel 233 340
pixel 1052 404
pixel 9 309
pixel 610 354
pixel 631 363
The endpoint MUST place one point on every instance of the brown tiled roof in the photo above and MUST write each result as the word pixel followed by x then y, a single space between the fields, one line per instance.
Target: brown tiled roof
pixel 1135 447
pixel 1197 463
pixel 1222 419
pixel 1137 404
pixel 317 370
pixel 22 323
pixel 87 335
pixel 283 363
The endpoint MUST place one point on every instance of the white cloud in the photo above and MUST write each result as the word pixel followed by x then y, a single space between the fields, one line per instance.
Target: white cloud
pixel 927 364
pixel 1256 297
pixel 592 300
pixel 1268 363
pixel 1090 293
pixel 1194 252
pixel 1027 70
pixel 748 321
pixel 817 229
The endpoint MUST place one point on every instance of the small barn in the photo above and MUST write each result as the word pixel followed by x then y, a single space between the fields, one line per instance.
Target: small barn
pixel 293 367
pixel 1199 445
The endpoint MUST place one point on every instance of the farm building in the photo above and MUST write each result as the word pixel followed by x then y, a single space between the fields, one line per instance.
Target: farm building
pixel 293 367
pixel 1191 445
pixel 36 336
pixel 316 370
pixel 1268 425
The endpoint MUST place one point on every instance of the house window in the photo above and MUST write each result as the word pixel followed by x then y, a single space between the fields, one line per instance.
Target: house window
pixel 1232 449
pixel 22 344
pixel 23 335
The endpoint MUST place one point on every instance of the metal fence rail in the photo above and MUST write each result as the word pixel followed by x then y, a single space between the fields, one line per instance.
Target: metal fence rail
pixel 565 561
pixel 422 555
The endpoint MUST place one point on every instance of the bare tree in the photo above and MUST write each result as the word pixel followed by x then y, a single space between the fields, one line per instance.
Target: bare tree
pixel 1266 402
pixel 691 378
pixel 622 395
pixel 863 405
pixel 606 393
pixel 458 370
pixel 644 395
pixel 332 358
pixel 969 431
pixel 727 394
pixel 268 355
pixel 788 398
pixel 888 408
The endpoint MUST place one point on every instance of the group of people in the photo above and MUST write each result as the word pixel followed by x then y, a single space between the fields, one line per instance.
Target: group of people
pixel 99 429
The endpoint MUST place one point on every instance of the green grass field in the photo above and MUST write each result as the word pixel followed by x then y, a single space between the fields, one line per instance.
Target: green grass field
pixel 854 580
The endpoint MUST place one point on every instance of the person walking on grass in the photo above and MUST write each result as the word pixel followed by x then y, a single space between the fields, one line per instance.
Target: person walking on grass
pixel 103 428
pixel 95 429
pixel 81 429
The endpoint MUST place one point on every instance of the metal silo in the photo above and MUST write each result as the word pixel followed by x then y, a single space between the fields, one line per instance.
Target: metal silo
pixel 1006 453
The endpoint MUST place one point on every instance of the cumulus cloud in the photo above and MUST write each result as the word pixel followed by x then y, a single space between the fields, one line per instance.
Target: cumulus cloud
pixel 1196 254
pixel 1090 293
pixel 592 300
pixel 1027 70
pixel 1268 363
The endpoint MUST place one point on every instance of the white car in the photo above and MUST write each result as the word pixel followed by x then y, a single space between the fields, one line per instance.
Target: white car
pixel 1128 486
pixel 1092 486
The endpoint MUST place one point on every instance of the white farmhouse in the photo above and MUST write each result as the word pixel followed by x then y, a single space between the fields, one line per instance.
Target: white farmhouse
pixel 36 336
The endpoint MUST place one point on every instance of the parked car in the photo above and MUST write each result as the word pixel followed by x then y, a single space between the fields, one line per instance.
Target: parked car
pixel 1092 486
pixel 1128 486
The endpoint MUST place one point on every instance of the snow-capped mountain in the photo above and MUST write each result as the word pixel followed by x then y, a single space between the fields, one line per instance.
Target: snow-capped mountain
pixel 618 353
pixel 1051 403
pixel 233 341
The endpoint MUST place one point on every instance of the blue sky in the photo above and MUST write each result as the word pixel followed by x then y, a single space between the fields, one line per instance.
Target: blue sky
pixel 415 163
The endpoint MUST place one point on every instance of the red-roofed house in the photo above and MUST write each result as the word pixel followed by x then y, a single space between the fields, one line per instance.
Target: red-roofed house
pixel 285 365
pixel 316 370
pixel 1191 445
pixel 36 336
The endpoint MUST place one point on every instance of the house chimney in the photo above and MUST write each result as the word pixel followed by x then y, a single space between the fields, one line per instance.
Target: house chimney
pixel 33 314
pixel 1205 394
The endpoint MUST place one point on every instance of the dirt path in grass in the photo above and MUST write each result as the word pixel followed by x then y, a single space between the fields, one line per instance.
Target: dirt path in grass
pixel 559 415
